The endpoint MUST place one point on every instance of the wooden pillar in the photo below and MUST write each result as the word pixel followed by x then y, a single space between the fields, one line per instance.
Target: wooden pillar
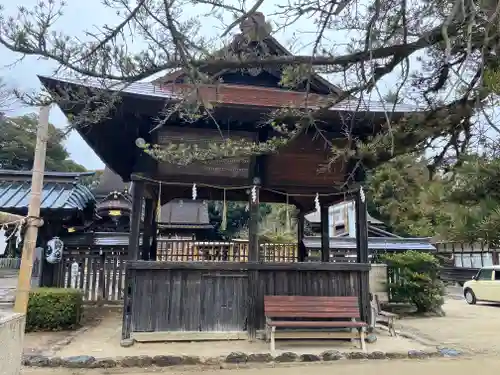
pixel 133 254
pixel 135 219
pixel 301 249
pixel 325 236
pixel 362 254
pixel 255 300
pixel 361 227
pixel 253 227
pixel 153 250
pixel 147 232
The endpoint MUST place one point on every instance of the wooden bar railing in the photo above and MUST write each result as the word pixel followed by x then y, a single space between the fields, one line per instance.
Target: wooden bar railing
pixel 174 250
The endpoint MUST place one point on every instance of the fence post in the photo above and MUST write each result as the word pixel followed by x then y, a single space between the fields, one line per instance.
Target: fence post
pixel 102 274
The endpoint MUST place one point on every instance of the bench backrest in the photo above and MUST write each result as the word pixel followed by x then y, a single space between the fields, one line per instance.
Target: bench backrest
pixel 311 307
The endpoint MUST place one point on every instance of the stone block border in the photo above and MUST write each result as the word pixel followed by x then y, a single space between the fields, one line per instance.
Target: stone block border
pixel 85 361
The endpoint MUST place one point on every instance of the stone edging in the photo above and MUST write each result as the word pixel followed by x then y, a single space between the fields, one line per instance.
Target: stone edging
pixel 411 336
pixel 85 361
pixel 66 341
pixel 58 345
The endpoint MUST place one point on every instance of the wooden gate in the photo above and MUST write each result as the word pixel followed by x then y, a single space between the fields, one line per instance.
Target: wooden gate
pixel 100 274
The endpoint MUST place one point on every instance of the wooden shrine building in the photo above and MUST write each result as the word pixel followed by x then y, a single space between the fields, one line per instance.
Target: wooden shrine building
pixel 182 219
pixel 65 202
pixel 167 300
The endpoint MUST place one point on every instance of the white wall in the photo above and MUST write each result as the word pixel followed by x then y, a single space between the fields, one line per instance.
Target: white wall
pixel 11 342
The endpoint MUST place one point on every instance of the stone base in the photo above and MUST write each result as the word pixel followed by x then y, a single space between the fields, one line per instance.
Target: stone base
pixel 11 342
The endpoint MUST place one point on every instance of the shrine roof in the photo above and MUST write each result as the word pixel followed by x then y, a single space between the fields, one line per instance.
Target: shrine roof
pixel 184 212
pixel 374 243
pixel 109 182
pixel 233 94
pixel 60 191
pixel 174 214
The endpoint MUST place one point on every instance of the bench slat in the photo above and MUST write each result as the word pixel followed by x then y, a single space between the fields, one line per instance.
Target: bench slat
pixel 345 324
pixel 311 307
pixel 311 302
pixel 317 310
pixel 309 298
pixel 288 314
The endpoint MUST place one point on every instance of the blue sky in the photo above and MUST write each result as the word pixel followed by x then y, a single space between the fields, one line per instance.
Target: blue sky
pixel 83 15
pixel 23 74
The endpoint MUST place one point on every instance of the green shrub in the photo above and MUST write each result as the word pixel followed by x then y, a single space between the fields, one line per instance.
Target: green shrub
pixel 415 280
pixel 54 309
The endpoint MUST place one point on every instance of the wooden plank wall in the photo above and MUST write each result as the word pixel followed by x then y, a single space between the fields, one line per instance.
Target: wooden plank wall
pixel 218 297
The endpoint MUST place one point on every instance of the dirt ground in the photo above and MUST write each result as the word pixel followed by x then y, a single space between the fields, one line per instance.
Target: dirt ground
pixel 462 366
pixel 104 341
pixel 472 328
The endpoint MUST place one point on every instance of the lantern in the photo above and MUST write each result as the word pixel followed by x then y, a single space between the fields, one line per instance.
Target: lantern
pixel 54 250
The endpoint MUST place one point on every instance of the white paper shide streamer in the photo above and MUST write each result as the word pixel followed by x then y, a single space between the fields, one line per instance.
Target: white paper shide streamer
pixel 316 203
pixel 195 192
pixel 254 194
pixel 362 195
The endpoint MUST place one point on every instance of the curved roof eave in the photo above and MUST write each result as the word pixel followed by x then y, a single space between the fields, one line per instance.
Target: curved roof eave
pixel 154 91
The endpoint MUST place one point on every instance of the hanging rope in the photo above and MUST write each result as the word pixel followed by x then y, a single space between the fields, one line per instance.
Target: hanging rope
pixel 245 187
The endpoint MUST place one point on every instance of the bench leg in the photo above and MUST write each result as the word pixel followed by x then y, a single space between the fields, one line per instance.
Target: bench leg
pixel 273 346
pixel 392 329
pixel 362 339
pixel 373 320
pixel 353 331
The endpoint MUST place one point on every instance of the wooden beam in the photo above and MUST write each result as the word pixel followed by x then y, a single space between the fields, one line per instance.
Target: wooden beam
pixel 253 228
pixel 361 227
pixel 153 250
pixel 160 336
pixel 253 266
pixel 147 229
pixel 301 249
pixel 362 254
pixel 325 236
pixel 135 219
pixel 6 217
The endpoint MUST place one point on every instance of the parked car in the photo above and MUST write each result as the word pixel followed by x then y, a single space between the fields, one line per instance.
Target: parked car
pixel 484 286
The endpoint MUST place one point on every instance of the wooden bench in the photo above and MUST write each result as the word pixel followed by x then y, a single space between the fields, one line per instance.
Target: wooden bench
pixel 315 313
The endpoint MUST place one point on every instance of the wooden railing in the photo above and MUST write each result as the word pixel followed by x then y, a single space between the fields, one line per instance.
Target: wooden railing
pixel 223 251
pixel 10 263
pixel 101 269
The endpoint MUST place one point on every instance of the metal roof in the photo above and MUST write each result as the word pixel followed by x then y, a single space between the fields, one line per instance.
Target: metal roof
pixel 152 90
pixel 374 243
pixel 373 230
pixel 47 175
pixel 15 195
